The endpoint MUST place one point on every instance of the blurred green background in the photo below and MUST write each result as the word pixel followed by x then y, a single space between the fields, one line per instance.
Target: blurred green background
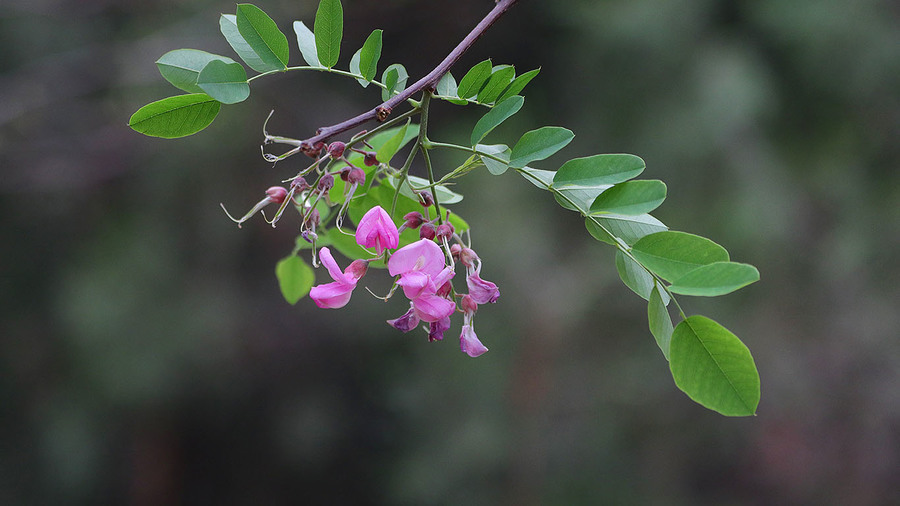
pixel 147 357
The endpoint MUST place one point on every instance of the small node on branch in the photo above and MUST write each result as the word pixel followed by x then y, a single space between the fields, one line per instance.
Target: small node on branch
pixel 382 113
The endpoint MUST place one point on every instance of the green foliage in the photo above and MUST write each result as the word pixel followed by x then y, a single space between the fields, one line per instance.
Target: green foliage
pixel 539 144
pixel 263 36
pixel 500 113
pixel 471 83
pixel 306 41
pixel 671 255
pixel 181 67
pixel 717 278
pixel 295 278
pixel 177 116
pixel 329 30
pixel 518 84
pixel 394 79
pixel 659 320
pixel 713 367
pixel 225 82
pixel 630 198
pixel 501 76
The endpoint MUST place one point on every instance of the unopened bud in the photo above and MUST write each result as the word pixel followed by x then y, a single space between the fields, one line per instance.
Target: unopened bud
pixel 467 304
pixel 336 149
pixel 455 249
pixel 445 230
pixel 356 176
pixel 413 219
pixel 345 173
pixel 277 194
pixel 357 269
pixel 427 231
pixel 313 218
pixel 370 159
pixel 326 183
pixel 426 199
pixel 299 184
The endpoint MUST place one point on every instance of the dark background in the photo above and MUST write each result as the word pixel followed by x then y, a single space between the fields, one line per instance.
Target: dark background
pixel 147 357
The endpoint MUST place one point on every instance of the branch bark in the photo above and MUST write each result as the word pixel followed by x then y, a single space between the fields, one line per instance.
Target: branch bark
pixel 382 112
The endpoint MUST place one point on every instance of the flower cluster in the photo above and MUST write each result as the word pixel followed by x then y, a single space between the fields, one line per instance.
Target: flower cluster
pixel 422 272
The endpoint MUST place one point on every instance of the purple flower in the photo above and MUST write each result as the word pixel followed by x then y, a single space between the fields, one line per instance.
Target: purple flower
pixel 436 329
pixel 376 230
pixel 422 272
pixel 336 294
pixel 406 322
pixel 482 291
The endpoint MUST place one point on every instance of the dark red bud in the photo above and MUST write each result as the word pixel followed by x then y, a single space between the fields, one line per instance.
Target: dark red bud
pixel 345 173
pixel 277 194
pixel 445 230
pixel 427 231
pixel 455 249
pixel 413 219
pixel 426 199
pixel 336 149
pixel 326 183
pixel 314 218
pixel 299 184
pixel 370 159
pixel 357 176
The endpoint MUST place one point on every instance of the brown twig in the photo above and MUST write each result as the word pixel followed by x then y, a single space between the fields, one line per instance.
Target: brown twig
pixel 381 112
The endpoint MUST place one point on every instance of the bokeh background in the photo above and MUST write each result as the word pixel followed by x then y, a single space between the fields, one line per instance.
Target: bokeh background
pixel 147 357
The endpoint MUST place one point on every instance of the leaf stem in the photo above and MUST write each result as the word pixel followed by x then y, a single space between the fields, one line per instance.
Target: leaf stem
pixel 426 82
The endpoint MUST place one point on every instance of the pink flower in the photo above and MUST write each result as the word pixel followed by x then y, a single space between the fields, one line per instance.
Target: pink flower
pixel 436 329
pixel 468 341
pixel 422 272
pixel 482 291
pixel 336 294
pixel 376 230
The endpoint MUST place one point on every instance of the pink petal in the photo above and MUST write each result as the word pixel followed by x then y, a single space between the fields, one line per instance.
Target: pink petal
pixel 482 292
pixel 406 322
pixel 377 230
pixel 331 265
pixel 437 329
pixel 422 255
pixel 431 308
pixel 331 295
pixel 415 283
pixel 469 343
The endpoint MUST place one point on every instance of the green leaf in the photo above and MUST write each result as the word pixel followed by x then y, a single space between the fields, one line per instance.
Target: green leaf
pixel 370 53
pixel 538 177
pixel 539 144
pixel 629 229
pixel 295 278
pixel 518 84
pixel 579 199
pixel 500 78
pixel 671 255
pixel 306 41
pixel 225 82
pixel 717 278
pixel 598 170
pixel 659 320
pixel 501 151
pixel 634 276
pixel 713 367
pixel 631 198
pixel 394 78
pixel 263 36
pixel 446 86
pixel 392 145
pixel 229 28
pixel 500 113
pixel 444 195
pixel 474 79
pixel 182 66
pixel 177 116
pixel 329 29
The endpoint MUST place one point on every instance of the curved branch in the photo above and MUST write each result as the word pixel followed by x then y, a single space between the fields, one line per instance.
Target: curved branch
pixel 381 112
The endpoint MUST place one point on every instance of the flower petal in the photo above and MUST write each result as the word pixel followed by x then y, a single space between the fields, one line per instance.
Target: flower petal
pixel 377 230
pixel 469 343
pixel 436 329
pixel 332 295
pixel 481 291
pixel 406 322
pixel 332 266
pixel 431 308
pixel 422 255
pixel 415 283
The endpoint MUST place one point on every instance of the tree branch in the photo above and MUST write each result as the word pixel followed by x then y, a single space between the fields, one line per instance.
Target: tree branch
pixel 381 112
